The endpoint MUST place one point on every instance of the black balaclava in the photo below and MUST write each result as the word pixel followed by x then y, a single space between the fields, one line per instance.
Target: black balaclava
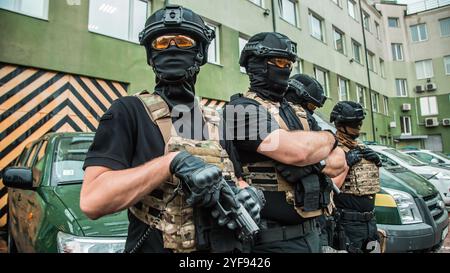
pixel 176 73
pixel 267 80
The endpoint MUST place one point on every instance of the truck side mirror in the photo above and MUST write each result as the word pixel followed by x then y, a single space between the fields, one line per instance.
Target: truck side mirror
pixel 18 177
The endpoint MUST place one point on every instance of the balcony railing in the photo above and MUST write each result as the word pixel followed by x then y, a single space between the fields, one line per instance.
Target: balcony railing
pixel 426 5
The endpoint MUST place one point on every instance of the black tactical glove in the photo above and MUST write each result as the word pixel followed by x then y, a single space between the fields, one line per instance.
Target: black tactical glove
pixel 250 197
pixel 294 174
pixel 372 156
pixel 353 157
pixel 201 179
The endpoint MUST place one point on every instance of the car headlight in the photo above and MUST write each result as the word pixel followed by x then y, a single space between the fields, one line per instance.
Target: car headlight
pixel 407 207
pixel 68 243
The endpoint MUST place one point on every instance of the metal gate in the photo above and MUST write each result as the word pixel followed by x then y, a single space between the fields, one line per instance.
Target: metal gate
pixel 434 143
pixel 34 102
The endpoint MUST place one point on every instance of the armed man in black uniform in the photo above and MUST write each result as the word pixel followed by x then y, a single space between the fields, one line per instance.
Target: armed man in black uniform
pixel 170 179
pixel 356 225
pixel 273 145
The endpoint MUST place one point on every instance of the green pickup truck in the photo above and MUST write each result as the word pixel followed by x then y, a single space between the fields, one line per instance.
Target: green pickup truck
pixel 43 197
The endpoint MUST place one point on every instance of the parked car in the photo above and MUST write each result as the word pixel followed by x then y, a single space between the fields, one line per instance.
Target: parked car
pixel 43 199
pixel 409 209
pixel 439 177
pixel 436 158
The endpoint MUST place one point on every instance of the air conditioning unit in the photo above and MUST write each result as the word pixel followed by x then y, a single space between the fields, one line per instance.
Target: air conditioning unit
pixel 431 86
pixel 431 122
pixel 446 122
pixel 392 124
pixel 406 106
pixel 419 89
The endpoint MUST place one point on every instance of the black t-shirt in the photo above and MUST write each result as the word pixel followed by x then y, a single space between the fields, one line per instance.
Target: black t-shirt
pixel 127 138
pixel 276 208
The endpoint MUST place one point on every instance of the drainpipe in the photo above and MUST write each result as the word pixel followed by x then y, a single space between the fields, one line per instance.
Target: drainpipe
pixel 367 70
pixel 274 17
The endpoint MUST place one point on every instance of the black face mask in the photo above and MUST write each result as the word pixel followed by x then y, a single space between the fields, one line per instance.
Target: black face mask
pixel 269 81
pixel 176 73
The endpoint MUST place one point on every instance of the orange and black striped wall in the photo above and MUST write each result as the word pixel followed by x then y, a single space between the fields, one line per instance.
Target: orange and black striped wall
pixel 34 102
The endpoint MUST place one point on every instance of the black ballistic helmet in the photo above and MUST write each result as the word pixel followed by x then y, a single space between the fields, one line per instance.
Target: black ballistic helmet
pixel 347 112
pixel 308 89
pixel 176 19
pixel 268 44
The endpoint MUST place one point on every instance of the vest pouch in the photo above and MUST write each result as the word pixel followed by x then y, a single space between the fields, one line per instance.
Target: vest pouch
pixel 325 188
pixel 310 197
pixel 202 222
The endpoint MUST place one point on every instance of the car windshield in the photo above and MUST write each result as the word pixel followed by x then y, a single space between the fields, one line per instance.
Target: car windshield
pixel 404 157
pixel 69 158
pixel 441 155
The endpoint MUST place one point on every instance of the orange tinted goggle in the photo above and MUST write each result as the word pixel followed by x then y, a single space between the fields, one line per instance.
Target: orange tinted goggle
pixel 181 41
pixel 311 106
pixel 281 62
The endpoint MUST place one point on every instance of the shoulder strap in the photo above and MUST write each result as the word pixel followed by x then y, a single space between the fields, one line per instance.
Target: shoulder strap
pixel 158 112
pixel 212 119
pixel 302 115
pixel 272 107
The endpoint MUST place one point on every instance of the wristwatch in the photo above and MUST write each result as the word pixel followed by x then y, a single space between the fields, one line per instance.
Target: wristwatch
pixel 322 164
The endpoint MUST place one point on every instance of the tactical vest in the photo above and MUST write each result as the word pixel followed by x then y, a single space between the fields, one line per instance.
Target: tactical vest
pixel 166 208
pixel 264 175
pixel 363 178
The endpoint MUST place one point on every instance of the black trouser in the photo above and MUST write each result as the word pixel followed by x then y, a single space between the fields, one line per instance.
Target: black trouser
pixel 356 230
pixel 276 238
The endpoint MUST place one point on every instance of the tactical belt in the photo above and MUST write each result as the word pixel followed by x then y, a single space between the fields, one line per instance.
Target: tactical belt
pixel 284 233
pixel 356 216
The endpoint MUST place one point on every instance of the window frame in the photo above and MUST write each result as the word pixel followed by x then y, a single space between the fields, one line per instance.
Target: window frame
pixel 397 22
pixel 418 32
pixel 361 90
pixel 386 105
pixel 325 85
pixel 354 4
pixel 131 16
pixel 440 27
pixel 403 126
pixel 428 104
pixel 260 1
pixel 447 64
pixel 17 8
pixel 382 68
pixel 339 32
pixel 404 86
pixel 322 29
pixel 375 102
pixel 397 46
pixel 347 94
pixel 358 45
pixel 424 66
pixel 217 30
pixel 366 15
pixel 296 15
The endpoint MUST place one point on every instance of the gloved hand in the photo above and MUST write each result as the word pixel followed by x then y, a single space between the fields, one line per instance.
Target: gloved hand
pixel 294 174
pixel 372 156
pixel 202 180
pixel 353 157
pixel 251 198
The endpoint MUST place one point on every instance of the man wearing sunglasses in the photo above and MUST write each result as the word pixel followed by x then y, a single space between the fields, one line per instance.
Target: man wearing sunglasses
pixel 356 225
pixel 275 132
pixel 170 178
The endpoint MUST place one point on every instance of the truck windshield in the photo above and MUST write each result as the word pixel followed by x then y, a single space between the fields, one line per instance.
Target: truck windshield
pixel 405 158
pixel 68 159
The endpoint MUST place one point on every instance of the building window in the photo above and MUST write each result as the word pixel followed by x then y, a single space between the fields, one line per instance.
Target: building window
pixel 371 60
pixel 258 2
pixel 343 89
pixel 214 46
pixel 445 27
pixel 242 42
pixel 378 31
pixel 393 22
pixel 386 105
pixel 382 68
pixel 375 102
pixel 366 21
pixel 351 6
pixel 419 33
pixel 339 40
pixel 298 67
pixel 316 26
pixel 405 124
pixel 401 87
pixel 34 8
pixel 288 11
pixel 337 2
pixel 424 69
pixel 428 106
pixel 356 51
pixel 397 52
pixel 117 18
pixel 447 65
pixel 322 77
pixel 361 95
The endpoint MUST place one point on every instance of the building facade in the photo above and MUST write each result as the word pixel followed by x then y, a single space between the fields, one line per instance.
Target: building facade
pixel 62 62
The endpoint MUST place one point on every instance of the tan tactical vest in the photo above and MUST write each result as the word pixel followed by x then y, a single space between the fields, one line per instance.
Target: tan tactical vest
pixel 363 178
pixel 263 175
pixel 175 217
